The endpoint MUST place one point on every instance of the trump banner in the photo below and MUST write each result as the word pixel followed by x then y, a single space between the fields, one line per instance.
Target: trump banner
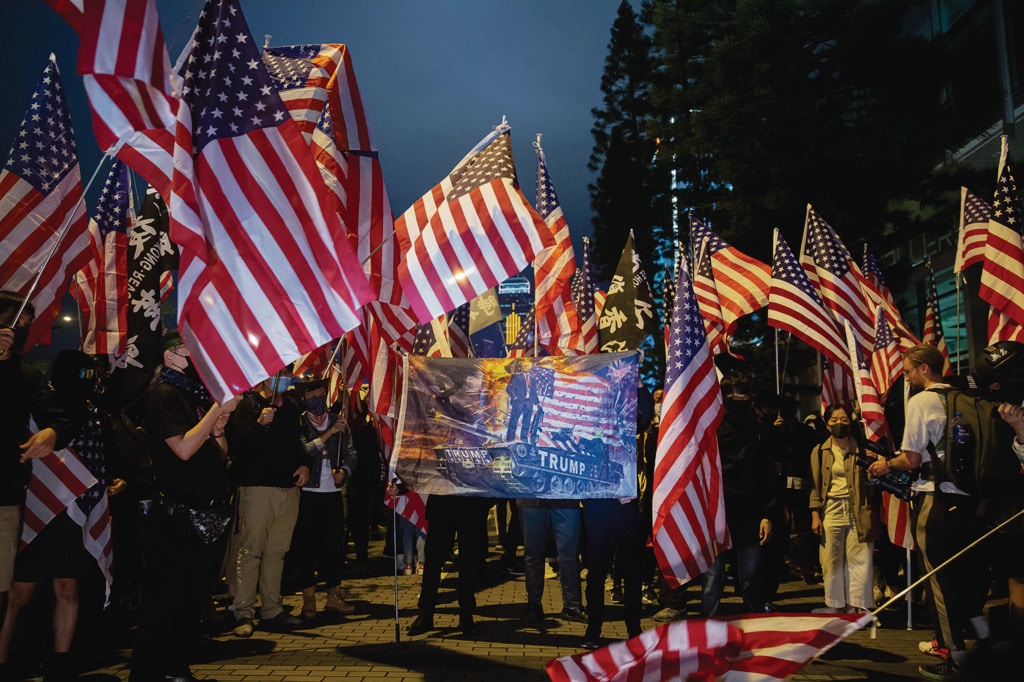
pixel 553 427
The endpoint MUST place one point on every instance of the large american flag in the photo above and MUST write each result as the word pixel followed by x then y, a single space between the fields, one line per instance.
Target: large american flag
pixel 868 396
pixel 57 480
pixel 40 192
pixel 794 305
pixel 932 331
pixel 882 297
pixel 102 286
pixel 470 232
pixel 705 290
pixel 558 328
pixel 974 216
pixel 839 281
pixel 732 649
pixel 886 358
pixel 689 528
pixel 1002 269
pixel 584 298
pixel 262 278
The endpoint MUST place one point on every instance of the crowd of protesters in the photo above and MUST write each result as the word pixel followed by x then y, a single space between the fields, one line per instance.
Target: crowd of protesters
pixel 261 495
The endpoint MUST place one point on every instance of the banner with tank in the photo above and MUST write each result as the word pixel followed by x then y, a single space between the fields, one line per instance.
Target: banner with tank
pixel 550 427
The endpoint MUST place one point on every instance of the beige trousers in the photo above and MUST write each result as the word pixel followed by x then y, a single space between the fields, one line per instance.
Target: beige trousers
pixel 266 519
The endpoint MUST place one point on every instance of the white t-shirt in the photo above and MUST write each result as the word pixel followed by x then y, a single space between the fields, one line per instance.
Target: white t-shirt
pixel 926 423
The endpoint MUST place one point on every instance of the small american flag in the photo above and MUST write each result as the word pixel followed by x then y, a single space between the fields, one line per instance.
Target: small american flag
pixel 458 332
pixel 734 649
pixel 794 305
pixel 837 385
pixel 839 282
pixel 932 332
pixel 1002 270
pixel 742 282
pixel 668 293
pixel 886 359
pixel 871 410
pixel 558 328
pixel 40 191
pixel 896 516
pixel 584 298
pixel 470 232
pixel 689 528
pixel 705 290
pixel 102 286
pixel 974 216
pixel 881 296
pixel 432 339
pixel 523 344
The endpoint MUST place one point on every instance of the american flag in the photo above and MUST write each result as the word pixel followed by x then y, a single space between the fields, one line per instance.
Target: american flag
pixel 754 647
pixel 871 410
pixel 882 296
pixel 1002 269
pixel 896 516
pixel 705 290
pixel 932 332
pixel 584 298
pixel 40 192
pixel 255 229
pixel 96 533
pixel 886 359
pixel 837 384
pixel 628 316
pixel 575 403
pixel 974 217
pixel 742 282
pixel 102 286
pixel 837 278
pixel 558 328
pixel 794 305
pixel 600 296
pixel 689 528
pixel 523 345
pixel 470 232
pixel 668 293
pixel 432 339
pixel 57 480
pixel 458 332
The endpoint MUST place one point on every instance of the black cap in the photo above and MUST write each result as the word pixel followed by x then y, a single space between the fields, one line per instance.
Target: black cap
pixel 171 339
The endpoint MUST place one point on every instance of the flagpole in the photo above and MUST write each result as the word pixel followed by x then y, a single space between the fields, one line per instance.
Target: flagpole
pixel 330 362
pixel 60 237
pixel 945 563
pixel 778 383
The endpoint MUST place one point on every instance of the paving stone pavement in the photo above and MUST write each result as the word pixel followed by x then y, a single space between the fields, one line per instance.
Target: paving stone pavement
pixel 366 646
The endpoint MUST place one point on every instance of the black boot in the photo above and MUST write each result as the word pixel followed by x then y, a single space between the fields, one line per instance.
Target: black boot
pixel 60 668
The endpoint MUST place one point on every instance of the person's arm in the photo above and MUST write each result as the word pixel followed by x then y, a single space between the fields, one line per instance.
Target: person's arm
pixel 1014 416
pixel 210 427
pixel 815 501
pixel 907 460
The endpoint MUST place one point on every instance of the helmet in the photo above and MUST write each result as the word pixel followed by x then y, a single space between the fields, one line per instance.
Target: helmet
pixel 1002 363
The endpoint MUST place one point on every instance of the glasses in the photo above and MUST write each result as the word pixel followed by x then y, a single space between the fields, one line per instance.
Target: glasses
pixel 906 371
pixel 181 348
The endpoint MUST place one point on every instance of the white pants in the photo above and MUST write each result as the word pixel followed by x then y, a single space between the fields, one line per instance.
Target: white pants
pixel 846 563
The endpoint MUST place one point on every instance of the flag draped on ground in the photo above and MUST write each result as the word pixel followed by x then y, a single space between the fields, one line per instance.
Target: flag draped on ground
pixel 101 287
pixel 470 232
pixel 628 316
pixel 794 305
pixel 756 647
pixel 40 192
pixel 262 278
pixel 932 331
pixel 689 508
pixel 558 328
pixel 973 234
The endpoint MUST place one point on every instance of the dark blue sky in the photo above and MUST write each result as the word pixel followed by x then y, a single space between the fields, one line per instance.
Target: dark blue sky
pixel 435 78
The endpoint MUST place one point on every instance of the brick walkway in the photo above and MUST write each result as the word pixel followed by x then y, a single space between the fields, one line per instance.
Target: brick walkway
pixel 363 646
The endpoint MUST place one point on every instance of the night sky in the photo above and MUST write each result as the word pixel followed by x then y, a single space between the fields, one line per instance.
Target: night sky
pixel 435 78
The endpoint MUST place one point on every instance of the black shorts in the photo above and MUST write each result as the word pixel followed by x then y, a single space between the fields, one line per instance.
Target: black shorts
pixel 57 552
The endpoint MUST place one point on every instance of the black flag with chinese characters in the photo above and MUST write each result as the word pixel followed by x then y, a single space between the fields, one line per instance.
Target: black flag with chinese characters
pixel 151 258
pixel 628 316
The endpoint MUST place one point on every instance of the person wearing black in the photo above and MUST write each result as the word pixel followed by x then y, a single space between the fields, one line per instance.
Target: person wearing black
pixel 366 488
pixel 749 487
pixel 449 517
pixel 269 467
pixel 616 529
pixel 185 428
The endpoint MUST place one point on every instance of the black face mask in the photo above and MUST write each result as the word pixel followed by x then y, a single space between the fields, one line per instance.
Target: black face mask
pixel 191 372
pixel 20 337
pixel 839 430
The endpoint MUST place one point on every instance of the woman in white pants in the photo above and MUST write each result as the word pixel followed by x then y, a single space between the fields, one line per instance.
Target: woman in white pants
pixel 842 515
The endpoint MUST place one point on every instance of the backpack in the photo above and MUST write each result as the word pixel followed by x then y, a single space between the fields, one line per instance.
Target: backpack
pixel 984 464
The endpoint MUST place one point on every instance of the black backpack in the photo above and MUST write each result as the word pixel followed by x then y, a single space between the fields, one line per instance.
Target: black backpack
pixel 984 463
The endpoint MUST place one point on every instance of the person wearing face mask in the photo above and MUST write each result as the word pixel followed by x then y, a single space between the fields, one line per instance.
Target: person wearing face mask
pixel 183 544
pixel 269 467
pixel 319 540
pixel 842 515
